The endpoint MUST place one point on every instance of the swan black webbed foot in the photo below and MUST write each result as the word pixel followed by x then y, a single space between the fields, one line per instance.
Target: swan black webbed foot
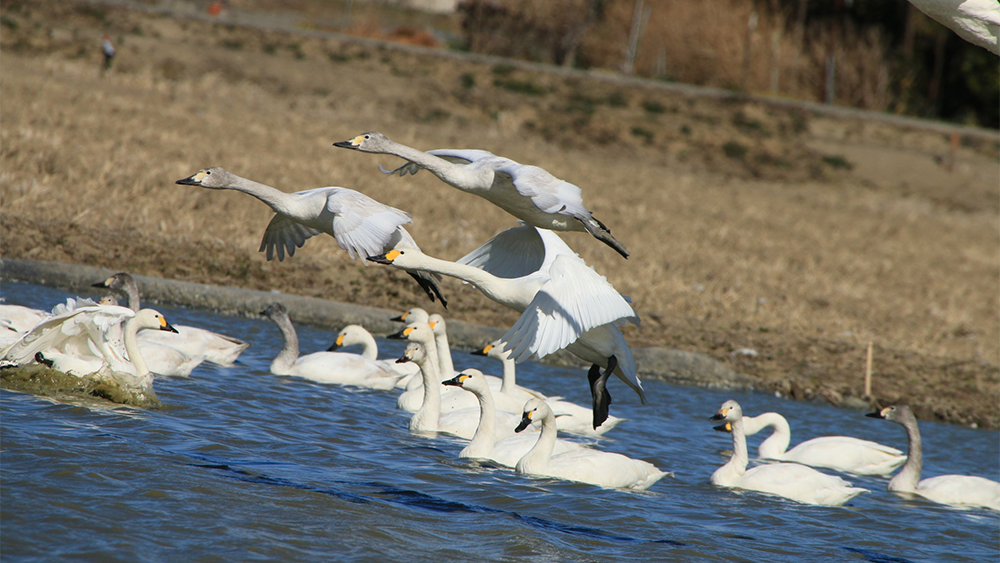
pixel 599 391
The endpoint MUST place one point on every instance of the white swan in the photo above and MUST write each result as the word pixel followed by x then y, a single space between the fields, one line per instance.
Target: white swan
pixel 603 469
pixel 570 417
pixel 429 418
pixel 193 341
pixel 842 453
pixel 325 367
pixel 976 21
pixel 413 315
pixel 564 303
pixel 89 340
pixel 790 480
pixel 484 445
pixel 359 224
pixel 527 192
pixel 954 490
pixel 16 321
pixel 357 335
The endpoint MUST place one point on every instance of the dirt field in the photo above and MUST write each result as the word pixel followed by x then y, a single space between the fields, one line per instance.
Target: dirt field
pixel 796 236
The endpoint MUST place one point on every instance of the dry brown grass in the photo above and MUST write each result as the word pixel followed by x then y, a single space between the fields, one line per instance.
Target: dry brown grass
pixel 775 247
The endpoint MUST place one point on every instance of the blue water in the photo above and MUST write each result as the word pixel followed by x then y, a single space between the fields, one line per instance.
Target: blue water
pixel 243 465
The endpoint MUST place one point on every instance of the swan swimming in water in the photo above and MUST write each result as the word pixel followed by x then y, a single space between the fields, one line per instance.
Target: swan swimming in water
pixel 357 335
pixel 193 341
pixel 604 469
pixel 527 192
pixel 484 445
pixel 563 302
pixel 325 367
pixel 954 490
pixel 842 453
pixel 790 480
pixel 359 224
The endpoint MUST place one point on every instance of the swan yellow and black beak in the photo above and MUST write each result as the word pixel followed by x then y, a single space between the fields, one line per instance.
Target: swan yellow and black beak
pixel 193 180
pixel 401 335
pixel 727 427
pixel 878 414
pixel 337 344
pixel 105 283
pixel 353 144
pixel 484 352
pixel 457 380
pixel 164 325
pixel 721 415
pixel 400 318
pixel 386 258
pixel 525 421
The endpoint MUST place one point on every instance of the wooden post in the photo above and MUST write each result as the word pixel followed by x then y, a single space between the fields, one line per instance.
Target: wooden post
pixel 868 371
pixel 956 137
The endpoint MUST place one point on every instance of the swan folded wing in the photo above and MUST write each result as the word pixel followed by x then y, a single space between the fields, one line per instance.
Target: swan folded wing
pixel 362 225
pixel 548 193
pixel 514 253
pixel 284 233
pixel 574 300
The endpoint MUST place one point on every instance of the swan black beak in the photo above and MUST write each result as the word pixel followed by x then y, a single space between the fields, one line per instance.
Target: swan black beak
pixel 482 351
pixel 727 427
pixel 189 181
pixel 346 145
pixel 399 319
pixel 380 259
pixel 403 360
pixel 525 422
pixel 717 416
pixel 169 328
pixel 100 284
pixel 455 381
pixel 398 335
pixel 333 347
pixel 876 414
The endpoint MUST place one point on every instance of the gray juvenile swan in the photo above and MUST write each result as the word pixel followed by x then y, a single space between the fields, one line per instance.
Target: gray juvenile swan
pixel 527 192
pixel 359 224
pixel 955 490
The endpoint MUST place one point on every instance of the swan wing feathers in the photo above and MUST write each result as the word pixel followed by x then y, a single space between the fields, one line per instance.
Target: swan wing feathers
pixel 514 253
pixel 575 300
pixel 72 332
pixel 548 193
pixel 363 226
pixel 284 233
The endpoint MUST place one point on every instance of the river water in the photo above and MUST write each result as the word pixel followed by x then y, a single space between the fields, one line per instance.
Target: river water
pixel 243 465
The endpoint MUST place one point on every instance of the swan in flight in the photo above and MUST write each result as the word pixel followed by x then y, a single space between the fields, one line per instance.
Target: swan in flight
pixel 193 341
pixel 570 417
pixel 954 490
pixel 325 367
pixel 841 453
pixel 527 192
pixel 563 302
pixel 91 341
pixel 357 335
pixel 359 224
pixel 976 21
pixel 790 480
pixel 484 445
pixel 604 469
pixel 429 418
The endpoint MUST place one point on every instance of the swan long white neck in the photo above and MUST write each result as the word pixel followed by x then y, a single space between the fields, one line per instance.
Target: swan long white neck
pixel 369 348
pixel 289 353
pixel 482 443
pixel 737 465
pixel 459 176
pixel 280 202
pixel 428 416
pixel 445 363
pixel 538 458
pixel 132 347
pixel 906 480
pixel 509 384
pixel 775 445
pixel 516 295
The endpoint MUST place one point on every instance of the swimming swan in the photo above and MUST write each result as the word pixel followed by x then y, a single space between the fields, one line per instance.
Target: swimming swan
pixel 429 418
pixel 193 341
pixel 484 445
pixel 976 21
pixel 357 335
pixel 604 469
pixel 527 192
pixel 790 480
pixel 570 417
pixel 563 302
pixel 359 224
pixel 842 453
pixel 955 490
pixel 325 367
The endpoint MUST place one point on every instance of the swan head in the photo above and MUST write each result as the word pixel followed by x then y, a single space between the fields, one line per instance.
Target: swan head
pixel 468 379
pixel 348 336
pixel 415 332
pixel 371 141
pixel 437 324
pixel 900 414
pixel 405 259
pixel 109 300
pixel 212 177
pixel 117 282
pixel 730 412
pixel 275 311
pixel 414 353
pixel 414 315
pixel 534 410
pixel 149 318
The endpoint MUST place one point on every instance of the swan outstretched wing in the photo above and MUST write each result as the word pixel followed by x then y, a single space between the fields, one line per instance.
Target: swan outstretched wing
pixel 363 227
pixel 575 300
pixel 514 253
pixel 285 234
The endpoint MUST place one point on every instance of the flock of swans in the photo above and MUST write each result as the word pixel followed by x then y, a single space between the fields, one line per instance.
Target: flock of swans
pixel 564 304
